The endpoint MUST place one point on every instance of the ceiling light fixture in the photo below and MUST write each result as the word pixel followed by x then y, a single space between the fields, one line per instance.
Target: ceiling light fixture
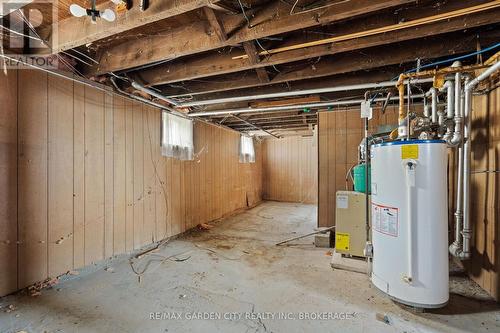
pixel 79 11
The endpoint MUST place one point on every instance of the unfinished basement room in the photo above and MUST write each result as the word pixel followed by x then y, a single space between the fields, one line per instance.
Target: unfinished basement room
pixel 249 166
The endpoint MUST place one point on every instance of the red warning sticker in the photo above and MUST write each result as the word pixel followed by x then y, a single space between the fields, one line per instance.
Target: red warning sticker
pixel 385 219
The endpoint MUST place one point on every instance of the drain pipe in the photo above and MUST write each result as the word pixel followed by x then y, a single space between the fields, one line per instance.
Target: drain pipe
pixel 456 139
pixel 427 113
pixel 456 247
pixel 469 87
pixel 434 115
pixel 362 86
pixel 291 107
pixel 450 98
pixel 145 100
pixel 154 93
pixel 450 110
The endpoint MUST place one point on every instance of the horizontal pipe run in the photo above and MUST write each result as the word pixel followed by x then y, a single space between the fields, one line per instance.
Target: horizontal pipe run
pixel 154 93
pixel 300 92
pixel 271 126
pixel 283 117
pixel 255 126
pixel 145 100
pixel 288 107
pixel 271 123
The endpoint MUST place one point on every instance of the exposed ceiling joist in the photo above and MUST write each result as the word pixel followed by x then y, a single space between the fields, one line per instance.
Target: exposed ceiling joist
pixel 222 63
pixel 253 58
pixel 215 22
pixel 343 63
pixel 250 125
pixel 73 31
pixel 191 39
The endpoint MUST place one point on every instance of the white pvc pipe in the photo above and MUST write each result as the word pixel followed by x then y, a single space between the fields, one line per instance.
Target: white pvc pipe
pixel 465 253
pixel 154 93
pixel 434 115
pixel 450 99
pixel 469 87
pixel 288 107
pixel 300 92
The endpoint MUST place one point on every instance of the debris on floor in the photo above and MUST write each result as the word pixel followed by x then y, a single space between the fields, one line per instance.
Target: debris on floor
pixel 204 226
pixel 10 308
pixel 35 290
pixel 321 231
pixel 383 318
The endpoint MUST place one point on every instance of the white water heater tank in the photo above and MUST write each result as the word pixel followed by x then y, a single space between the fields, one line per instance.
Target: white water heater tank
pixel 409 221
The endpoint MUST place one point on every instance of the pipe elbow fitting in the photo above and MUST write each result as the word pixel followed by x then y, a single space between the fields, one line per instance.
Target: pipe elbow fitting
pixel 456 139
pixel 455 249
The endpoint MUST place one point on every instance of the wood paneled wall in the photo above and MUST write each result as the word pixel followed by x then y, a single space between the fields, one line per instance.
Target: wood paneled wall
pixel 290 168
pixel 82 178
pixel 484 266
pixel 340 131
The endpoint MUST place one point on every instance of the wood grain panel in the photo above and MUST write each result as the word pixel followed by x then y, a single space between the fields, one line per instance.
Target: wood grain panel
pixel 108 174
pixel 32 177
pixel 138 175
pixel 119 176
pixel 149 232
pixel 161 179
pixel 79 175
pixel 94 175
pixel 129 175
pixel 290 169
pixel 60 175
pixel 485 183
pixel 8 182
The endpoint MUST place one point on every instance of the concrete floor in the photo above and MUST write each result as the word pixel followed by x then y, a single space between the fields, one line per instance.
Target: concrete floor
pixel 235 270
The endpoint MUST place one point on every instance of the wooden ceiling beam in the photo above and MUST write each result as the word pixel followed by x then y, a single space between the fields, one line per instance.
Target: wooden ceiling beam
pixel 253 58
pixel 223 63
pixel 192 38
pixel 76 31
pixel 347 62
pixel 262 75
pixel 215 22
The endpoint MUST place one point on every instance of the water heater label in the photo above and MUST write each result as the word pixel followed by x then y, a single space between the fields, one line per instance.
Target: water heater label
pixel 409 152
pixel 342 201
pixel 385 219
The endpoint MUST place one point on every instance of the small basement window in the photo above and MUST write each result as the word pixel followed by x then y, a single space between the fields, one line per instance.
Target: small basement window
pixel 247 150
pixel 176 137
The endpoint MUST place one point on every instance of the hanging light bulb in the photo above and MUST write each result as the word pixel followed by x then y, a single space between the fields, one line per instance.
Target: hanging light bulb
pixel 108 15
pixel 77 10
